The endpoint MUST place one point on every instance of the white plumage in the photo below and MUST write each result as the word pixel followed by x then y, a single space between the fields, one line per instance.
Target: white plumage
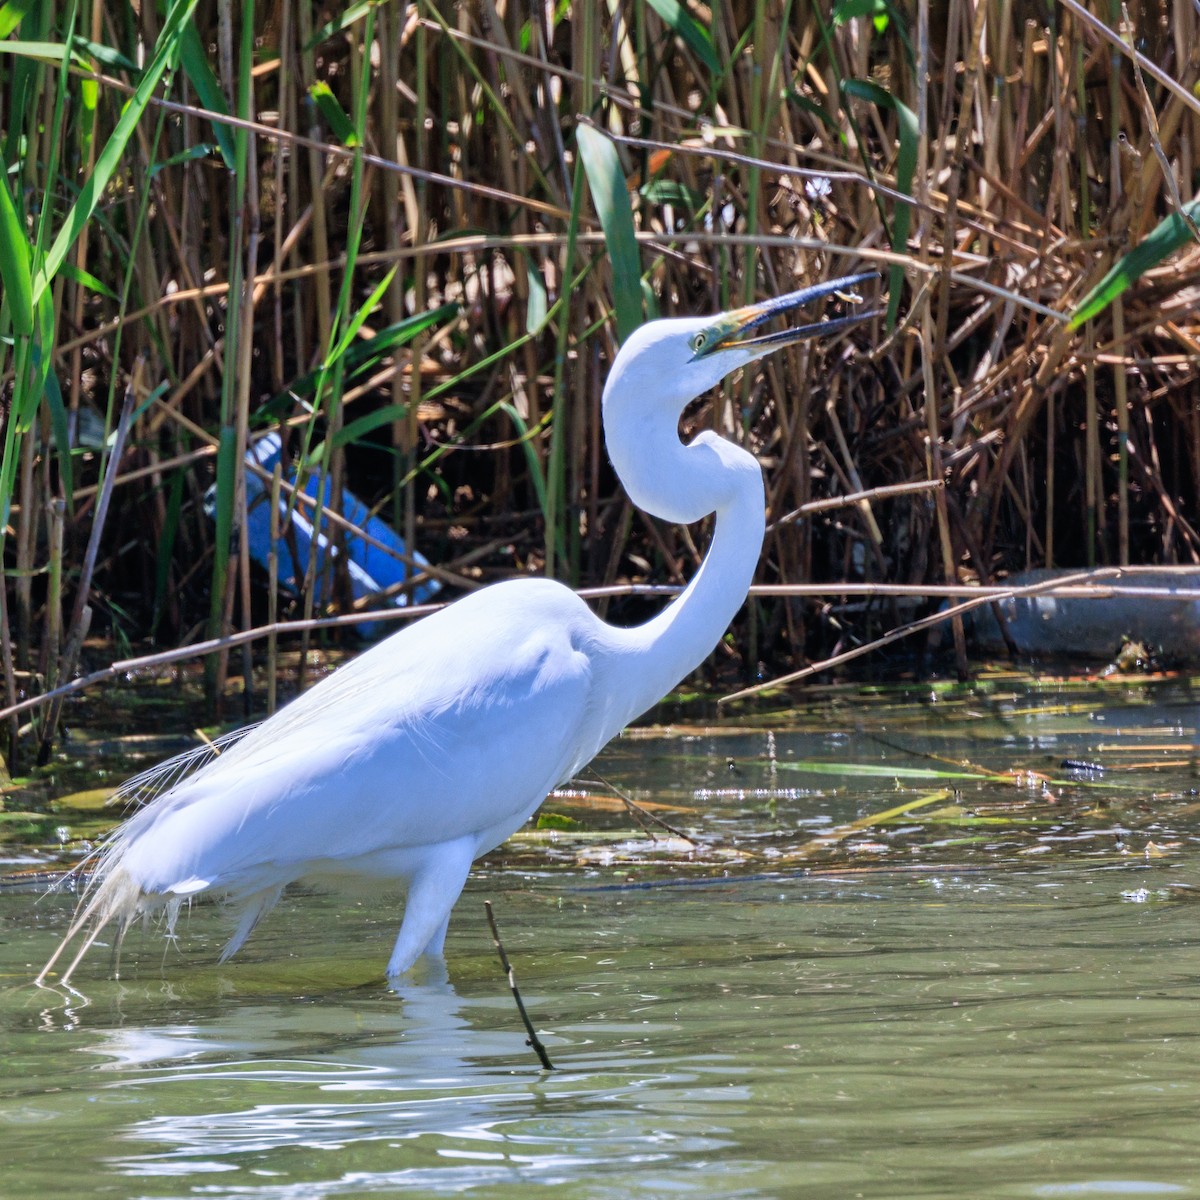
pixel 437 744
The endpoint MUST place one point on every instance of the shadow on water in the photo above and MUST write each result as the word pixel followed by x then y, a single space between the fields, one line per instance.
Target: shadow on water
pixel 930 943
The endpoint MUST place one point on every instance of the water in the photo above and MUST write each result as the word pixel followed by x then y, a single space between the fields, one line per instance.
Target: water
pixel 992 993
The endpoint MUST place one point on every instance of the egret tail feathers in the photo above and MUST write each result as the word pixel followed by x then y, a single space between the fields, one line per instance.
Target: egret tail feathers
pixel 116 898
pixel 163 777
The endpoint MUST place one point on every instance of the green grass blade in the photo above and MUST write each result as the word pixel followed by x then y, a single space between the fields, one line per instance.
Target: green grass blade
pixel 36 51
pixel 166 549
pixel 882 13
pixel 335 116
pixel 361 426
pixel 227 466
pixel 15 262
pixel 689 30
pixel 106 55
pixel 357 321
pixel 846 10
pixel 12 13
pixel 815 110
pixel 194 59
pixel 166 55
pixel 877 770
pixel 1169 235
pixel 145 406
pixel 353 14
pixel 27 399
pixel 362 355
pixel 191 154
pixel 611 198
pixel 536 475
pixel 538 308
pixel 86 279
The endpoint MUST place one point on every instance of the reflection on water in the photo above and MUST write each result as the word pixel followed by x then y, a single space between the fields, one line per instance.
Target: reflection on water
pixel 397 1075
pixel 992 993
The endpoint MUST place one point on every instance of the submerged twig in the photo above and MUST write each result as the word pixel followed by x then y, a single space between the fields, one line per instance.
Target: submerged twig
pixel 533 1039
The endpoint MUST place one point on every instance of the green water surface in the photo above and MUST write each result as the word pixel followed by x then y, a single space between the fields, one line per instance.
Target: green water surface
pixel 993 992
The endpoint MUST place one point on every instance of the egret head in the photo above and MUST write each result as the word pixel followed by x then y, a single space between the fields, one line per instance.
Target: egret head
pixel 674 361
pixel 665 364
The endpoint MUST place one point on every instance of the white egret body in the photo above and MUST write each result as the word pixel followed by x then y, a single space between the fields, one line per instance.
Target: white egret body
pixel 437 744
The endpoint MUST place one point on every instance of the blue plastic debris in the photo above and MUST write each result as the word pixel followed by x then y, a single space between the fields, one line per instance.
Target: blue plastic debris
pixel 372 569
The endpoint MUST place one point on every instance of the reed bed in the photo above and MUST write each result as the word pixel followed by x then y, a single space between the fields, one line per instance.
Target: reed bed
pixel 409 238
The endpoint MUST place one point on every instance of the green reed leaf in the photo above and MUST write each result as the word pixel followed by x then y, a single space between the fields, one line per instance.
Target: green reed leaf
pixel 1170 234
pixel 196 66
pixel 689 30
pixel 611 198
pixel 15 260
pixel 335 115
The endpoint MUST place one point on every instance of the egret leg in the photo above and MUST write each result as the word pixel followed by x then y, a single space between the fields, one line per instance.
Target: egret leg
pixel 436 946
pixel 431 895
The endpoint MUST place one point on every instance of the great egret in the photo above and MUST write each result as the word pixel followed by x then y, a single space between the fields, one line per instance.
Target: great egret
pixel 440 742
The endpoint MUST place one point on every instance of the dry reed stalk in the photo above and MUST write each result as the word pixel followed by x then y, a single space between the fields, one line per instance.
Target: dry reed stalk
pixel 273 590
pixel 81 613
pixel 1042 156
pixel 12 756
pixel 52 637
pixel 973 597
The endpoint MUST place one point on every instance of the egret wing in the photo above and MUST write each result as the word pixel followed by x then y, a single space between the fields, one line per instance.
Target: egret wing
pixel 452 729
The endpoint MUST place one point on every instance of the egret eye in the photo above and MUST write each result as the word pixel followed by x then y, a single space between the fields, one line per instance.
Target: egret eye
pixel 698 342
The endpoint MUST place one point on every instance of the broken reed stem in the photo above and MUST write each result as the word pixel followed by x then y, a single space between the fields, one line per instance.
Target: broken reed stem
pixel 878 493
pixel 532 1040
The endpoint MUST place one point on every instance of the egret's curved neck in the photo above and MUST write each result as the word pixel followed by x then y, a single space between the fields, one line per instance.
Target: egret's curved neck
pixel 674 643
